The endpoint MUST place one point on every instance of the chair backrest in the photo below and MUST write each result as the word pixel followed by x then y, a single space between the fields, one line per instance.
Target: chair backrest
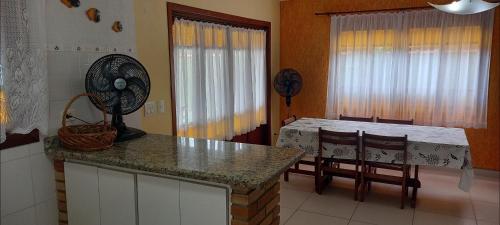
pixel 384 143
pixel 408 122
pixel 339 138
pixel 288 120
pixel 361 119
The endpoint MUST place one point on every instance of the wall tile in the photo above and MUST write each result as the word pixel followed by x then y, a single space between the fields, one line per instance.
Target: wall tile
pixel 14 153
pixel 43 178
pixel 36 148
pixel 56 109
pixel 16 185
pixel 54 15
pixel 24 217
pixel 46 212
pixel 64 76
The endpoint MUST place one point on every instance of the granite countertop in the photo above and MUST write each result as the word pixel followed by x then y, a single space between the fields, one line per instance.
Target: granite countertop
pixel 244 167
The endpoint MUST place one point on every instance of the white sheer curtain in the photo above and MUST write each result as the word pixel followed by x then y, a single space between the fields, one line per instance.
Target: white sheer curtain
pixel 23 85
pixel 424 65
pixel 249 75
pixel 219 79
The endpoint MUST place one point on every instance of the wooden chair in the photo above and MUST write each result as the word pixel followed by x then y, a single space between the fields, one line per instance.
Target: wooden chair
pixel 407 122
pixel 415 180
pixel 296 168
pixel 386 143
pixel 360 119
pixel 324 167
pixel 289 120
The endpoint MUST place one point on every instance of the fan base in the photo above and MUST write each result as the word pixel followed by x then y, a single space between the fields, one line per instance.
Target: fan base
pixel 129 134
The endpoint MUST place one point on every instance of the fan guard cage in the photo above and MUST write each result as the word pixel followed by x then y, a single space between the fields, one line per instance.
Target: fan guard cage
pixel 101 78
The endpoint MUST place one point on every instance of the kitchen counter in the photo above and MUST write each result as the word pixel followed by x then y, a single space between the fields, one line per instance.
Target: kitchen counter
pixel 243 167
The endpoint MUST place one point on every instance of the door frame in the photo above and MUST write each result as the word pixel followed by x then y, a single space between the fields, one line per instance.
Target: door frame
pixel 191 13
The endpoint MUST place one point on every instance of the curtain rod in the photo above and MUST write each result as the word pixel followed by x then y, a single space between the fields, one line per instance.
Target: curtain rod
pixel 370 11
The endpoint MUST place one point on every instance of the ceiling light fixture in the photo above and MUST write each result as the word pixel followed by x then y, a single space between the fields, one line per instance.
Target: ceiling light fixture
pixel 465 7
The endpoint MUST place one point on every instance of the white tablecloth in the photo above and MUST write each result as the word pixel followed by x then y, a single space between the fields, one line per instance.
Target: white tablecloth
pixel 430 146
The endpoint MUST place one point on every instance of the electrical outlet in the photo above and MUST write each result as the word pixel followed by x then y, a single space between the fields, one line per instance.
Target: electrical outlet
pixel 149 108
pixel 161 106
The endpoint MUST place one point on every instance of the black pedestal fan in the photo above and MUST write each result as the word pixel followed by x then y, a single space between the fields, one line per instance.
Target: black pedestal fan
pixel 123 85
pixel 288 83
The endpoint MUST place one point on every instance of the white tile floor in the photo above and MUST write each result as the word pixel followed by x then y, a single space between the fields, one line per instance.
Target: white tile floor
pixel 440 202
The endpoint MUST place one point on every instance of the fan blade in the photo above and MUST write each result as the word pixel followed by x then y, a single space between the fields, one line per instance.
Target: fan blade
pixel 130 100
pixel 140 94
pixel 138 82
pixel 128 70
pixel 106 70
pixel 111 101
pixel 100 85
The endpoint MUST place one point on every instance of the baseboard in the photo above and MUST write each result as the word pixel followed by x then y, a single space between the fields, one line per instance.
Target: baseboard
pixel 447 171
pixel 487 173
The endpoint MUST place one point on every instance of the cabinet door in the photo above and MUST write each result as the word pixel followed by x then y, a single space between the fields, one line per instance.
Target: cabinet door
pixel 117 197
pixel 158 201
pixel 201 204
pixel 82 194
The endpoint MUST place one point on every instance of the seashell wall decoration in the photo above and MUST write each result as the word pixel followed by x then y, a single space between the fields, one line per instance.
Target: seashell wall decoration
pixel 71 3
pixel 117 26
pixel 94 15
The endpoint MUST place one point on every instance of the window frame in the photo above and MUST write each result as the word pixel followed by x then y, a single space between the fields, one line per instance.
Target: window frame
pixel 191 13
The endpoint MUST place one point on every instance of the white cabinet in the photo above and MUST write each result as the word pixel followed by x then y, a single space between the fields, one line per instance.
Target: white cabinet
pixel 97 196
pixel 82 194
pixel 117 197
pixel 202 204
pixel 158 201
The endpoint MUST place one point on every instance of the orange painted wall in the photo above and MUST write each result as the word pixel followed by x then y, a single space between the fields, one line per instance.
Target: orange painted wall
pixel 304 46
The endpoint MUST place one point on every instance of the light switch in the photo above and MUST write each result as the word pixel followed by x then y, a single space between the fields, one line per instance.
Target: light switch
pixel 149 108
pixel 161 106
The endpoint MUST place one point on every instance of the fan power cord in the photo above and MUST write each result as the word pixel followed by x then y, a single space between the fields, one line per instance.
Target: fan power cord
pixel 68 116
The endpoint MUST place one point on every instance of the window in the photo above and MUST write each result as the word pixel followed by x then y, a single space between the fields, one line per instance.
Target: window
pixel 3 102
pixel 220 78
pixel 3 108
pixel 423 65
pixel 12 140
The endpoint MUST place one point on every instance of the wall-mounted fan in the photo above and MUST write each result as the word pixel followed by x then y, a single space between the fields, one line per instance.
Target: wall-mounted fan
pixel 123 85
pixel 288 83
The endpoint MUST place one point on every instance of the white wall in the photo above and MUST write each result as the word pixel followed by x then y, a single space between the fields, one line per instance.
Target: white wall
pixel 28 193
pixel 74 43
pixel 152 45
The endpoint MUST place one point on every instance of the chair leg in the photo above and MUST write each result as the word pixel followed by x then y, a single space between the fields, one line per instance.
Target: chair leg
pixel 317 174
pixel 356 189
pixel 374 171
pixel 362 192
pixel 415 188
pixel 319 184
pixel 321 180
pixel 403 197
pixel 404 189
pixel 407 191
pixel 285 177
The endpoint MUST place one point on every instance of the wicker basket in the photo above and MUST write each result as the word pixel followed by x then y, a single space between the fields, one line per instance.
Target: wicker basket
pixel 87 137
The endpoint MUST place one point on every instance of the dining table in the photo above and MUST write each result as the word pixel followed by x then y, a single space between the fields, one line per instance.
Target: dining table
pixel 427 145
